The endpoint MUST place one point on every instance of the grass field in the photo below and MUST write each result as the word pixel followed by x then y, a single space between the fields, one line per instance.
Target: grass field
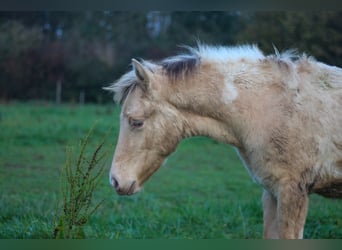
pixel 203 191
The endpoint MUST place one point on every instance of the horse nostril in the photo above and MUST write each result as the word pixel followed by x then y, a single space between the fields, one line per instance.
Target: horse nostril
pixel 115 183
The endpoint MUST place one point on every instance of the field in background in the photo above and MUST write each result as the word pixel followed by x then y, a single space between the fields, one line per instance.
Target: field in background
pixel 203 191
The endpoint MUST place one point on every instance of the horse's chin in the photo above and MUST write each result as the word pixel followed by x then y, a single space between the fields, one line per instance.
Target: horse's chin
pixel 136 190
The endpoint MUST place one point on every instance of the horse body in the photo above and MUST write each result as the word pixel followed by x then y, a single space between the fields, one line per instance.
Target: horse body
pixel 284 116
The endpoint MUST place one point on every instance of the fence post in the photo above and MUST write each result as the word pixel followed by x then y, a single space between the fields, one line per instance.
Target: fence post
pixel 59 91
pixel 82 97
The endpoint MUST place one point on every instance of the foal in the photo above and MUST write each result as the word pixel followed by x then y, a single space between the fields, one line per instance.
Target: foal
pixel 282 112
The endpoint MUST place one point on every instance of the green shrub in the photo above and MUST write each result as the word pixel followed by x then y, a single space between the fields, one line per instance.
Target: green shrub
pixel 80 177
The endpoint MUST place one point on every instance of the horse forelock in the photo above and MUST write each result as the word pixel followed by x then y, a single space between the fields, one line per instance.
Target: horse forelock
pixel 123 86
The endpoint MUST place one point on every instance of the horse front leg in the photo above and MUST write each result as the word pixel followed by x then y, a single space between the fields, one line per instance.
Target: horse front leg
pixel 270 216
pixel 292 207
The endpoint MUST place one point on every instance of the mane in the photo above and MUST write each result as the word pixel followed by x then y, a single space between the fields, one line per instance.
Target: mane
pixel 180 65
pixel 225 53
pixel 185 64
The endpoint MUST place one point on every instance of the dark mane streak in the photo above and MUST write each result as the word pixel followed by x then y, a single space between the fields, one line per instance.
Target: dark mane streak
pixel 179 66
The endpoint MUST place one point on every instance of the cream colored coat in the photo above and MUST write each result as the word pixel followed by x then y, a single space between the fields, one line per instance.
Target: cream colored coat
pixel 283 113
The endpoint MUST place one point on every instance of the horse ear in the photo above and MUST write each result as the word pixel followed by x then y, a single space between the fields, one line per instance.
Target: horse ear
pixel 140 71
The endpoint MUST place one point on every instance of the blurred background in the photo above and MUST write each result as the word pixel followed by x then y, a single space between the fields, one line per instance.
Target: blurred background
pixel 51 62
pixel 70 56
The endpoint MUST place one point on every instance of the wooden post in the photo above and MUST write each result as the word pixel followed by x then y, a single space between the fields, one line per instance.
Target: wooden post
pixel 82 97
pixel 59 91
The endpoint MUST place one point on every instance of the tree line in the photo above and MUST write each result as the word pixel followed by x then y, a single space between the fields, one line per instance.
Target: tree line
pixel 69 56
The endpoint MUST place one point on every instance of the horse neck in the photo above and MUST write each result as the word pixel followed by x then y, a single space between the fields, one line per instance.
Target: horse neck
pixel 227 103
pixel 207 101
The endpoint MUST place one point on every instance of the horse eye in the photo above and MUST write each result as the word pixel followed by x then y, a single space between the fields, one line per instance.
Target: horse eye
pixel 136 123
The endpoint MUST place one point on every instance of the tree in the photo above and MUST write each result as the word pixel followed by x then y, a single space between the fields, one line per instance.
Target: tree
pixel 316 33
pixel 87 50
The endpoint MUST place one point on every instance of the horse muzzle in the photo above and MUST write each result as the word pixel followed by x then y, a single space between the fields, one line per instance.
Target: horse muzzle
pixel 124 188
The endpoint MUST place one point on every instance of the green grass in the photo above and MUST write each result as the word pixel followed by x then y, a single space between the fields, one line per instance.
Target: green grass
pixel 203 191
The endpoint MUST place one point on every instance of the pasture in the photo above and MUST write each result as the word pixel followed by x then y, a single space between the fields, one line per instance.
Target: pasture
pixel 202 191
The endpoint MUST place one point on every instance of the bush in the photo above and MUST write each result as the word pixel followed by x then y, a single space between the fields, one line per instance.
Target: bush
pixel 80 177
